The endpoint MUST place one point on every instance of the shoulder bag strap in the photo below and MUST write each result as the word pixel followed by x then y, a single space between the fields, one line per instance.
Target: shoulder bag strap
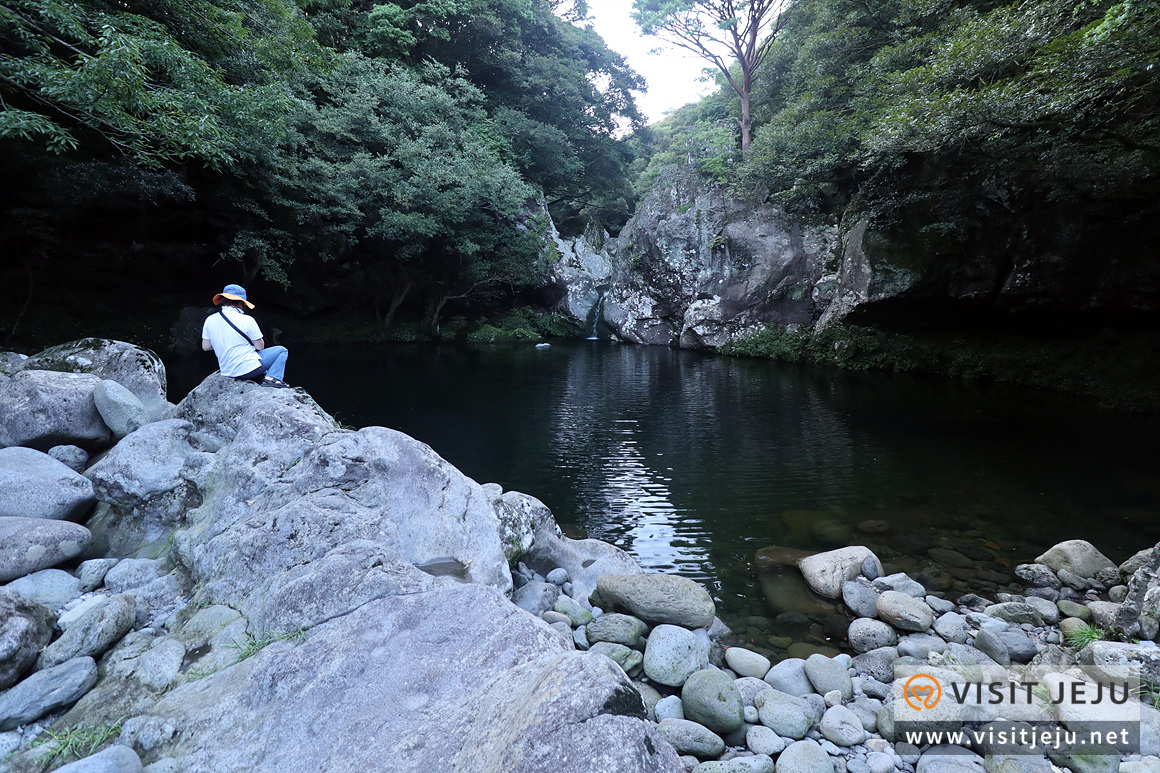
pixel 235 327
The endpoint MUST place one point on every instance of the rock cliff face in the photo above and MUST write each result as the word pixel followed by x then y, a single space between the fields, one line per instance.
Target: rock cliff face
pixel 697 270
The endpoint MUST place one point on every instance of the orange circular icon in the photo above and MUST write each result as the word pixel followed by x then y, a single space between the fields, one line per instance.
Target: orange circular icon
pixel 923 689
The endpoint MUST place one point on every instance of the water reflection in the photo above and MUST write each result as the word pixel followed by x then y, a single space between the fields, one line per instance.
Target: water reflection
pixel 622 496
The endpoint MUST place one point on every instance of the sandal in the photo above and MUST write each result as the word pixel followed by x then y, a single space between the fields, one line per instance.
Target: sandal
pixel 270 381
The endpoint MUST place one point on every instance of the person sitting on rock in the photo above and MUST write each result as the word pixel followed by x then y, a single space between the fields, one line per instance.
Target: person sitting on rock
pixel 236 339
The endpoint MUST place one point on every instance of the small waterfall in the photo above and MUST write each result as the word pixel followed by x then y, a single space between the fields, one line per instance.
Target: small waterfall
pixel 597 312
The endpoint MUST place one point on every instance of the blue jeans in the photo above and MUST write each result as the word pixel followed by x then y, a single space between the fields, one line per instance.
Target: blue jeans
pixel 274 361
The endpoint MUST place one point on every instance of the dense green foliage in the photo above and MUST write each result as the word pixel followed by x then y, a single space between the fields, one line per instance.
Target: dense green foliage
pixel 1117 370
pixel 169 81
pixel 935 110
pixel 385 156
pixel 397 173
pixel 896 100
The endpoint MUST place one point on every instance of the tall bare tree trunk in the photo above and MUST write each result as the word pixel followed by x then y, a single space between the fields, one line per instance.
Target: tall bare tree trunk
pixel 746 128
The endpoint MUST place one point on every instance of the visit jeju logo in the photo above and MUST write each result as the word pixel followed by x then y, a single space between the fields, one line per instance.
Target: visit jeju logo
pixel 922 691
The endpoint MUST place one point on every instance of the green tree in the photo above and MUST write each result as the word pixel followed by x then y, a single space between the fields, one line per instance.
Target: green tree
pixel 723 32
pixel 392 185
pixel 938 107
pixel 155 82
pixel 555 89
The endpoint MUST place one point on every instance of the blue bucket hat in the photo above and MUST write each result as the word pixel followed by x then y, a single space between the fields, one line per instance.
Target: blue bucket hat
pixel 234 293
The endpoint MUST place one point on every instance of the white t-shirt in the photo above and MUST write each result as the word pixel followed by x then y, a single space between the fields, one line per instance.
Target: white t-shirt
pixel 235 355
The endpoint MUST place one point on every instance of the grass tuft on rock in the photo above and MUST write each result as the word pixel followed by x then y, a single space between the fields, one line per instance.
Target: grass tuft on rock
pixel 1083 635
pixel 251 644
pixel 78 742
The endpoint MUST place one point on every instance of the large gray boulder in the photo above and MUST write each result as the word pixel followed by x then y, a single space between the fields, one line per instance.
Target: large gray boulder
pixel 147 479
pixel 219 407
pixel 277 505
pixel 485 687
pixel 34 485
pixel 138 370
pixel 290 487
pixel 25 628
pixel 28 545
pixel 1077 556
pixel 377 570
pixel 826 572
pixel 120 409
pixel 659 598
pixel 51 587
pixel 95 632
pixel 41 409
pixel 521 518
pixel 46 691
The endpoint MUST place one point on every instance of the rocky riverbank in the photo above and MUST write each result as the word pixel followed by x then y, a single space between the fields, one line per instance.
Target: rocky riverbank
pixel 256 588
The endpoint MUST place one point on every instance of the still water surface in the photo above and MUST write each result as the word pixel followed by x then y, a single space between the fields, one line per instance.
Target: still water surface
pixel 693 462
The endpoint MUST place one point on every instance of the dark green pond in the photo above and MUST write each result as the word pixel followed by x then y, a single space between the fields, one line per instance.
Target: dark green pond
pixel 694 462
